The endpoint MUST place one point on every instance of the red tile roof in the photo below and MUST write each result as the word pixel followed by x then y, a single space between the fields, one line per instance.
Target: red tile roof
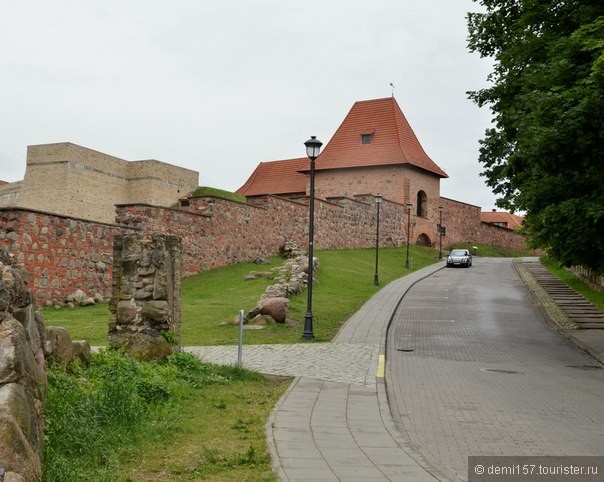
pixel 276 177
pixel 393 141
pixel 502 218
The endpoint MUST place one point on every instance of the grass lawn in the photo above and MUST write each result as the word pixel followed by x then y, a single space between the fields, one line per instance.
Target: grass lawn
pixel 211 300
pixel 122 420
pixel 226 444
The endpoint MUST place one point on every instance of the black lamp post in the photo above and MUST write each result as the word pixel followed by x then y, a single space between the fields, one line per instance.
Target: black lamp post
pixel 409 206
pixel 440 233
pixel 378 201
pixel 313 147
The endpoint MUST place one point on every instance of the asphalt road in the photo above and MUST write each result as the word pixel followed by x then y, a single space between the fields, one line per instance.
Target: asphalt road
pixel 473 369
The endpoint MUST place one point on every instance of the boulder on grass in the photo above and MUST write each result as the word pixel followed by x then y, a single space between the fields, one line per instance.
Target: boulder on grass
pixel 274 307
pixel 58 346
pixel 263 320
pixel 81 351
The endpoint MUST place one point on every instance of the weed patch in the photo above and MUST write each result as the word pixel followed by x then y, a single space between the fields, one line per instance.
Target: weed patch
pixel 101 419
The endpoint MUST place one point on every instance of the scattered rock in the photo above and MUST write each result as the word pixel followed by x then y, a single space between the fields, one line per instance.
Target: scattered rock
pixel 291 279
pixel 58 346
pixel 81 351
pixel 78 297
pixel 290 249
pixel 257 275
pixel 262 320
pixel 274 307
pixel 236 320
pixel 88 302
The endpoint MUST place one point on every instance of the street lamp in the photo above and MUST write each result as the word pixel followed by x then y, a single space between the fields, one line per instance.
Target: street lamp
pixel 378 201
pixel 440 233
pixel 409 206
pixel 313 147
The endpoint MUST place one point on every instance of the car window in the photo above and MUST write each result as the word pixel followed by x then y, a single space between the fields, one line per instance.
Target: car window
pixel 459 252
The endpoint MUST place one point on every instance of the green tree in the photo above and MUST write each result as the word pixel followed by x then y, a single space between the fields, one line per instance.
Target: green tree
pixel 544 154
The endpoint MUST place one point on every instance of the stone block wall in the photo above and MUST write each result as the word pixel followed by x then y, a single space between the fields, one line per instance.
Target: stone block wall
pixel 84 183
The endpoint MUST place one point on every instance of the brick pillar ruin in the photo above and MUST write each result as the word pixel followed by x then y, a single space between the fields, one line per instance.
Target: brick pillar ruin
pixel 145 303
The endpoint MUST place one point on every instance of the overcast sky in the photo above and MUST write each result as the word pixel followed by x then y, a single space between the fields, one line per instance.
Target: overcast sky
pixel 220 86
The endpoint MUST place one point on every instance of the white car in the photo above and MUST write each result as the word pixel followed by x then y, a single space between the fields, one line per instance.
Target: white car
pixel 459 257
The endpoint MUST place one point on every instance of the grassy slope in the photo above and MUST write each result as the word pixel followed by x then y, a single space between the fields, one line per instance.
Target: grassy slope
pixel 211 300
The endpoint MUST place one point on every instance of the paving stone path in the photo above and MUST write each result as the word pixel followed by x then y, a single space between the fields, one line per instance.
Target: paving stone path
pixel 335 362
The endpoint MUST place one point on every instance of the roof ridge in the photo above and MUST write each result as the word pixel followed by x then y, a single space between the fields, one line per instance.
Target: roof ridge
pixel 398 128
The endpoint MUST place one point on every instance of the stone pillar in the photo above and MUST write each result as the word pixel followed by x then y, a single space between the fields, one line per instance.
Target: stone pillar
pixel 145 303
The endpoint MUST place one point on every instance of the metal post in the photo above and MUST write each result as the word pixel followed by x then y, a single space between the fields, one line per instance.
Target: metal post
pixel 240 347
pixel 409 206
pixel 308 317
pixel 440 233
pixel 378 201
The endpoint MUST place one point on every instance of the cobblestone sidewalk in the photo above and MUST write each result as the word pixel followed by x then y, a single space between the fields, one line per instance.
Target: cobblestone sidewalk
pixel 333 362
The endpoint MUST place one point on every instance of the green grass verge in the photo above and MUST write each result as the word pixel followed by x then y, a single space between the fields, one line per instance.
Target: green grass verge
pixel 596 297
pixel 180 419
pixel 211 300
pixel 83 322
pixel 202 191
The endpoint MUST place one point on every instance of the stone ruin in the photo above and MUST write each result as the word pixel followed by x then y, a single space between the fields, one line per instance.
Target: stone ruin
pixel 145 302
pixel 25 347
pixel 291 279
pixel 23 378
pixel 146 323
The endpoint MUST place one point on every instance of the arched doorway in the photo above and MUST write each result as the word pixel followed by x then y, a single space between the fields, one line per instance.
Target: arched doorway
pixel 423 240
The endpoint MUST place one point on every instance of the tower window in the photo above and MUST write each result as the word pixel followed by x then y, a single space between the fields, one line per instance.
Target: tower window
pixel 366 138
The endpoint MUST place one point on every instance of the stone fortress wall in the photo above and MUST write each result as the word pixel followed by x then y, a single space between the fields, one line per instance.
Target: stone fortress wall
pixel 63 254
pixel 61 220
pixel 78 182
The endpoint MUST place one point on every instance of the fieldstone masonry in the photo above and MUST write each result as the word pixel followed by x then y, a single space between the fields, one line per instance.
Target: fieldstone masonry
pixel 145 304
pixel 63 254
pixel 23 379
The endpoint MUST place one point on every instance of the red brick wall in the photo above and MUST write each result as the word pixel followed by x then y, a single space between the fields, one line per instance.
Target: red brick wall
pixel 393 182
pixel 463 225
pixel 64 254
pixel 217 232
pixel 59 254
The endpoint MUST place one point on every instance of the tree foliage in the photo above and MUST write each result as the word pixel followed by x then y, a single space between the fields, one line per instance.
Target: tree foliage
pixel 544 154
